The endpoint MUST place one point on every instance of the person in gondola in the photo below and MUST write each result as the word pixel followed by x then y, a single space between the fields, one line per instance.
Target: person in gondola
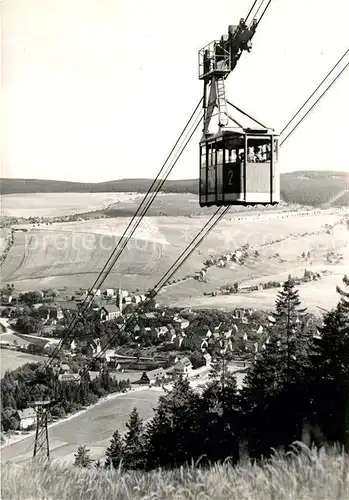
pixel 251 156
pixel 258 154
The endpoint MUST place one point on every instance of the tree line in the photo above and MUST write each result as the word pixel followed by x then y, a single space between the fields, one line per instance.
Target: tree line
pixel 33 383
pixel 297 388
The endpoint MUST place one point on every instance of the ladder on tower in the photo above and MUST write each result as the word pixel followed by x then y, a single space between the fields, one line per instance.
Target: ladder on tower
pixel 221 102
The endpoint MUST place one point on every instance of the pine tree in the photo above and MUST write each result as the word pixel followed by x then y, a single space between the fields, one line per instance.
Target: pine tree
pixel 290 328
pixel 134 442
pixel 344 296
pixel 275 391
pixel 176 434
pixel 114 452
pixel 222 389
pixel 82 457
pixel 223 413
pixel 329 377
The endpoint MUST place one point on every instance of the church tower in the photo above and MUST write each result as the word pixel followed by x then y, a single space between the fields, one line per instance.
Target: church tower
pixel 119 304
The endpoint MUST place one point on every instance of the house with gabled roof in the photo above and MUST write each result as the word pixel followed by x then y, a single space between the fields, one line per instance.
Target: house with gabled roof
pixel 152 376
pixel 69 377
pixel 26 418
pixel 109 312
pixel 181 322
pixel 183 366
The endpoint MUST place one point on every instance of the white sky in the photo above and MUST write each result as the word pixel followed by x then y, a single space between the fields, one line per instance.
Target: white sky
pixel 100 89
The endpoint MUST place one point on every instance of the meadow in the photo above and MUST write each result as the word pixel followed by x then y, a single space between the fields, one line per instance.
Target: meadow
pixel 58 204
pixel 70 254
pixel 320 475
pixel 10 360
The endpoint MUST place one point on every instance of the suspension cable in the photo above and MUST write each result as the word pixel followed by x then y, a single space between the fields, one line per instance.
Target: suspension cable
pixel 317 88
pixel 259 8
pixel 180 261
pixel 312 107
pixel 251 9
pixel 263 13
pixel 112 260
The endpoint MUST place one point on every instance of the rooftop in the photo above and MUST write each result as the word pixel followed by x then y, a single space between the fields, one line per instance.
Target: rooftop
pixel 26 413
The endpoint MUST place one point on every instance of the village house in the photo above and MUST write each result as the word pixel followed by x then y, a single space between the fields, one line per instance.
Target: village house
pixel 37 305
pixel 208 358
pixel 161 331
pixel 69 306
pixel 152 376
pixel 55 312
pixel 109 312
pixel 181 322
pixel 64 367
pixel 136 299
pixel 182 367
pixel 61 368
pixel 110 292
pixel 6 298
pixel 108 356
pixel 95 346
pixel 69 377
pixel 26 418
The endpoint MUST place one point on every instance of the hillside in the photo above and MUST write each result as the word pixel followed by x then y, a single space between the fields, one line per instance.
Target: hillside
pixel 313 475
pixel 70 254
pixel 304 187
pixel 13 186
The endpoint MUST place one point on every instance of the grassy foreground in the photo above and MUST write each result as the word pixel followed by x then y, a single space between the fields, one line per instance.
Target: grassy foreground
pixel 314 475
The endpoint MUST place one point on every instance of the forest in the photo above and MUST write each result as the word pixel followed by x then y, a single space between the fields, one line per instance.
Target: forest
pixel 33 383
pixel 297 389
pixel 303 187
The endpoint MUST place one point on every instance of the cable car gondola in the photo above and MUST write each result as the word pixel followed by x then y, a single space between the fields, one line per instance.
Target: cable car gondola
pixel 238 164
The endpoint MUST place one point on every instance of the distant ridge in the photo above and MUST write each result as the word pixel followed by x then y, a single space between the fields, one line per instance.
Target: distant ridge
pixel 306 186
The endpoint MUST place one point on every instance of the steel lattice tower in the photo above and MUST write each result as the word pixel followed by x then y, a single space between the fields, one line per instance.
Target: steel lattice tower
pixel 41 447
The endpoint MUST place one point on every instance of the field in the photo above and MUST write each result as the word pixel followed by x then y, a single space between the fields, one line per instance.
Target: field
pixel 70 254
pixel 10 360
pixel 58 204
pixel 309 476
pixel 101 205
pixel 94 427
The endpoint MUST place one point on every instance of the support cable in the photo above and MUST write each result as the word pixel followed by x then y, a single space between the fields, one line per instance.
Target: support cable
pixel 317 88
pixel 180 261
pixel 263 13
pixel 113 258
pixel 259 8
pixel 187 252
pixel 312 107
pixel 251 9
pixel 246 114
